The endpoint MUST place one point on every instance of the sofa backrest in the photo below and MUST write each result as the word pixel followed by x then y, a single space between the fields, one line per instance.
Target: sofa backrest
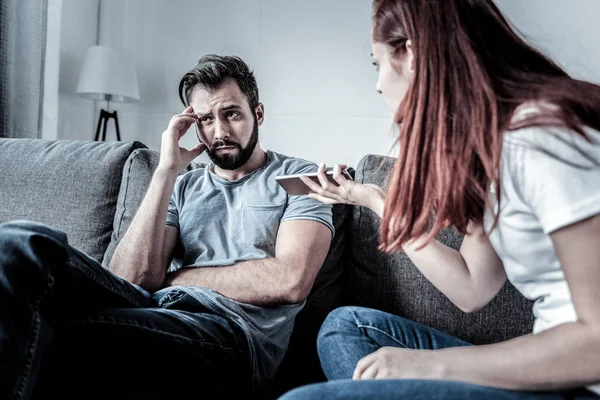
pixel 70 185
pixel 391 282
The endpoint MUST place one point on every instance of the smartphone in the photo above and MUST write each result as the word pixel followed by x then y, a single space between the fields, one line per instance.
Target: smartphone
pixel 294 185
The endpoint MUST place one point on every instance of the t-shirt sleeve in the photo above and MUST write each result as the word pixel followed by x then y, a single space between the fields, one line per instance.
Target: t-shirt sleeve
pixel 173 210
pixel 561 178
pixel 304 208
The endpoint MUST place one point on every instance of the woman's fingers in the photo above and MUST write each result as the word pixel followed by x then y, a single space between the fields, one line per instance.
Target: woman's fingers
pixel 324 190
pixel 341 180
pixel 312 185
pixel 322 177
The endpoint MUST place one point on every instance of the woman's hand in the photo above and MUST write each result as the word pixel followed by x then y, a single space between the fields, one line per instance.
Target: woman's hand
pixel 348 191
pixel 401 363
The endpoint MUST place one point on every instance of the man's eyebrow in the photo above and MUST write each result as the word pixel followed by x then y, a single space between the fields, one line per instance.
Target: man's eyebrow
pixel 204 115
pixel 231 107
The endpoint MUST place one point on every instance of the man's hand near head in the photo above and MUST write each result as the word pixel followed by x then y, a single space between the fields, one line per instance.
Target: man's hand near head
pixel 143 255
pixel 173 157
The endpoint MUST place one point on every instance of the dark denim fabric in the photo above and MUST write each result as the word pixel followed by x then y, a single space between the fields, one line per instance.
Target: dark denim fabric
pixel 72 329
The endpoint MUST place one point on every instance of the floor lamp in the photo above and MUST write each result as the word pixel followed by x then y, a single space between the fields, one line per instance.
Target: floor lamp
pixel 108 74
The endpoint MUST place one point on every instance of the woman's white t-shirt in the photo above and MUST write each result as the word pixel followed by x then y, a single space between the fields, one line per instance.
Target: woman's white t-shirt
pixel 550 179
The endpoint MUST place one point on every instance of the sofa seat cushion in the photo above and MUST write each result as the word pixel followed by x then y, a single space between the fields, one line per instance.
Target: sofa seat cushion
pixel 70 185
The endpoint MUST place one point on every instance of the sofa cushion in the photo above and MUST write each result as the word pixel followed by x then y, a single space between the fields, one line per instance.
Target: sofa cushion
pixel 70 185
pixel 137 174
pixel 392 283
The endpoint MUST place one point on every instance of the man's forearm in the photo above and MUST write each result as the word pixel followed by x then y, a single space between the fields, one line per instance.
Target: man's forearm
pixel 563 357
pixel 268 281
pixel 139 256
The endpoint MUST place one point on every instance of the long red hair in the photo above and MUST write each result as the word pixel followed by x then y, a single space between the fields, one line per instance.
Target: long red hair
pixel 471 72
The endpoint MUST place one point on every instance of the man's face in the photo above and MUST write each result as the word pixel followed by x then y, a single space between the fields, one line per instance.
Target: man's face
pixel 227 125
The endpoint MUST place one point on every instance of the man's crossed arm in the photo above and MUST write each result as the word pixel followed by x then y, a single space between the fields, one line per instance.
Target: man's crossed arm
pixel 301 248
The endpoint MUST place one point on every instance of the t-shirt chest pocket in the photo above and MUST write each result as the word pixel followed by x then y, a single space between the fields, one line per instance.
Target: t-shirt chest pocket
pixel 260 224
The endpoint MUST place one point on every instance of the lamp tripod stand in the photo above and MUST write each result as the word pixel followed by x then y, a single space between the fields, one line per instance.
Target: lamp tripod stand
pixel 108 74
pixel 106 116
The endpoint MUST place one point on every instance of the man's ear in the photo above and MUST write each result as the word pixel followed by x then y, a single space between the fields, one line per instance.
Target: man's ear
pixel 260 113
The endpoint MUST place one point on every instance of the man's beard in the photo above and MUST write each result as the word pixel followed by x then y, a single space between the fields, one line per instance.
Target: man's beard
pixel 234 161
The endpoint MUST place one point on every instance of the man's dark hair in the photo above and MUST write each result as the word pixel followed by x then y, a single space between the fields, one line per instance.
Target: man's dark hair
pixel 212 71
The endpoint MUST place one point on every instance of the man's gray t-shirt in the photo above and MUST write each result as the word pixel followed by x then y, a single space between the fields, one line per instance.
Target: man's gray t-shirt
pixel 223 223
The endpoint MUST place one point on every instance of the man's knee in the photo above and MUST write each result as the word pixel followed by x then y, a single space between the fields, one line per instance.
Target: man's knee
pixel 28 247
pixel 23 230
pixel 27 237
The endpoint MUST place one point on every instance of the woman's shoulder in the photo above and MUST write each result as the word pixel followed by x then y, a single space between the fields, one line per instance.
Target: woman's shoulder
pixel 535 133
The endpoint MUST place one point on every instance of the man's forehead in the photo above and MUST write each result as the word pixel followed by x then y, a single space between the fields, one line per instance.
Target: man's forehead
pixel 225 106
pixel 224 97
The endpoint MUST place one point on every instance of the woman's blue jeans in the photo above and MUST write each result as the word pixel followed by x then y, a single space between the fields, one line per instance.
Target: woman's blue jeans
pixel 351 333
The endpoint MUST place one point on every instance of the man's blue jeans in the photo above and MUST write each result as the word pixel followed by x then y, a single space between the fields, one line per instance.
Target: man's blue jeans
pixel 70 328
pixel 351 333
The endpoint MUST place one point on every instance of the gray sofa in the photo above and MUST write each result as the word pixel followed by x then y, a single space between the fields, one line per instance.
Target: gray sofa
pixel 91 191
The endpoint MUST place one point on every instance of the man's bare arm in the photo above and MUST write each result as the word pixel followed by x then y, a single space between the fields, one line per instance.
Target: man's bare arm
pixel 287 278
pixel 143 254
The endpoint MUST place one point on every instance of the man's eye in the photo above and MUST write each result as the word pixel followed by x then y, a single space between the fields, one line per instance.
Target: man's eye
pixel 376 66
pixel 204 119
pixel 231 114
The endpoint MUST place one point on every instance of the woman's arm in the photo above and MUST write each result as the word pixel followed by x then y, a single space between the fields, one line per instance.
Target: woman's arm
pixel 566 356
pixel 470 278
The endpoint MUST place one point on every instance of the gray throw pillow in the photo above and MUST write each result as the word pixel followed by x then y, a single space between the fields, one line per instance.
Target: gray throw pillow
pixel 137 174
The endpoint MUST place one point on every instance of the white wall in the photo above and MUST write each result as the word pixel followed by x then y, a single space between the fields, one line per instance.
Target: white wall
pixel 78 30
pixel 311 58
pixel 568 31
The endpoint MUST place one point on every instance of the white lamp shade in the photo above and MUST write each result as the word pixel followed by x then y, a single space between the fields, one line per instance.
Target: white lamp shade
pixel 108 74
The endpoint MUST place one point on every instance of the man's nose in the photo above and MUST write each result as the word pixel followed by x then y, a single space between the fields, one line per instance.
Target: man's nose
pixel 221 130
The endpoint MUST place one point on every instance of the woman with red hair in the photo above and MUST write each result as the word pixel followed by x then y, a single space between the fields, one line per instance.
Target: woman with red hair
pixel 498 142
